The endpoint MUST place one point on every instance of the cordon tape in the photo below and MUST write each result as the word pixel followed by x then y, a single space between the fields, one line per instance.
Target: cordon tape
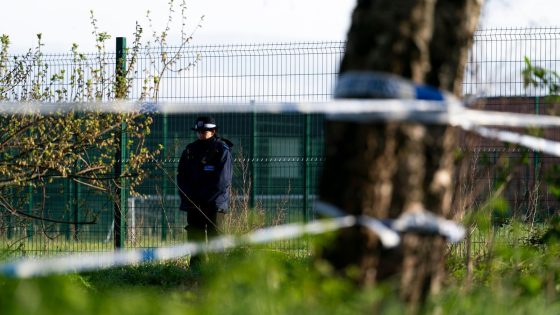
pixel 388 231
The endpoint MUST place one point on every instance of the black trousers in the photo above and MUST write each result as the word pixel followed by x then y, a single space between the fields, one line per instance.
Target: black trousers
pixel 202 223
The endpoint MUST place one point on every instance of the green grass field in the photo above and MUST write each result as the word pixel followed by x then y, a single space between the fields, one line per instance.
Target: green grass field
pixel 522 277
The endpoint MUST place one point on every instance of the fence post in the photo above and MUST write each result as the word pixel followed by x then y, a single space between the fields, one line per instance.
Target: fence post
pixel 164 186
pixel 174 191
pixel 306 170
pixel 120 154
pixel 254 144
pixel 536 163
pixel 76 207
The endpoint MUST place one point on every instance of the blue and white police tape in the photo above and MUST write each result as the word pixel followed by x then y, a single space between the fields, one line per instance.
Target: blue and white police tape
pixel 32 267
pixel 383 85
pixel 333 107
pixel 534 143
pixel 386 230
pixel 415 220
pixel 449 111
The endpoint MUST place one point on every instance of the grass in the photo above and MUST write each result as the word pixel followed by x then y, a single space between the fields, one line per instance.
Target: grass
pixel 241 282
pixel 521 277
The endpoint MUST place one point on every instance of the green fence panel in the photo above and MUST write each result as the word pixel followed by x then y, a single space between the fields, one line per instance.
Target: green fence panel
pixel 278 157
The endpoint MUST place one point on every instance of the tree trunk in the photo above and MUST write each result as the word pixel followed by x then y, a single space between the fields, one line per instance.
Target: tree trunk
pixel 385 169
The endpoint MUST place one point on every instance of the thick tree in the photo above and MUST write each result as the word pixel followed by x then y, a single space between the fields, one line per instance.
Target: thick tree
pixel 385 169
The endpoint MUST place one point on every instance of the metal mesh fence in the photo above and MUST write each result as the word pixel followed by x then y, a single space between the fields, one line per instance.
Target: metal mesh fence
pixel 278 158
pixel 246 73
pixel 494 75
pixel 497 59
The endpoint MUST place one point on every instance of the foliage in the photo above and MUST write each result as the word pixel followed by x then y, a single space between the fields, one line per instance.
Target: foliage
pixel 513 278
pixel 518 275
pixel 81 147
pixel 244 217
pixel 541 77
pixel 242 282
pixel 549 80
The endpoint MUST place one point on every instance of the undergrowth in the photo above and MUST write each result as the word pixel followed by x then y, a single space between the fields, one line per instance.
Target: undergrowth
pixel 509 279
pixel 246 281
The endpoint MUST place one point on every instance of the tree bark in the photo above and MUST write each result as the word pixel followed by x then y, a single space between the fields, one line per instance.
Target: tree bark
pixel 384 169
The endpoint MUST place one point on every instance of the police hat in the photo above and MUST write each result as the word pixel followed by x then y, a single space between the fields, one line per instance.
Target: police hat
pixel 205 123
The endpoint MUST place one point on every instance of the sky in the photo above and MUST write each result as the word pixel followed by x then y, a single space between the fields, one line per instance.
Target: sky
pixel 64 22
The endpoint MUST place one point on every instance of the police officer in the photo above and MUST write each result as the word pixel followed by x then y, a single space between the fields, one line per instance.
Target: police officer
pixel 204 178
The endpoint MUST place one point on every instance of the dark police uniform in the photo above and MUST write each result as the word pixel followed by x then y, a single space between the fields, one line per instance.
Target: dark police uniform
pixel 204 177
